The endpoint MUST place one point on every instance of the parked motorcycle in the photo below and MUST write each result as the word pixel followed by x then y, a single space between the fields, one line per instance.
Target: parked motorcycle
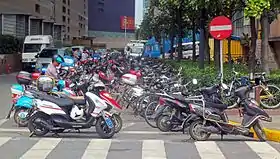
pixel 211 118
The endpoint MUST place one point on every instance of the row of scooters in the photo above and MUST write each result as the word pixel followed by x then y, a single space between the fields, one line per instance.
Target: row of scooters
pixel 46 105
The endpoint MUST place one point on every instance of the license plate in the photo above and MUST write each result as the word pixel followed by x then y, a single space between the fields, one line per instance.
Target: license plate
pixel 109 123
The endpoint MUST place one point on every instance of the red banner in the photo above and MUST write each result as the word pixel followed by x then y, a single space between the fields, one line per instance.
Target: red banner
pixel 130 25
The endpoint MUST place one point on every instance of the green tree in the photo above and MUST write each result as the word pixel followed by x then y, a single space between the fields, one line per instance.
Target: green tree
pixel 254 10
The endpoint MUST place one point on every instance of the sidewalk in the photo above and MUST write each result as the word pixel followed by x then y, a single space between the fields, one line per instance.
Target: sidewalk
pixel 275 124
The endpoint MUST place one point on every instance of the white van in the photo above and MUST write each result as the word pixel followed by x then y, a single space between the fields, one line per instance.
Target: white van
pixel 32 45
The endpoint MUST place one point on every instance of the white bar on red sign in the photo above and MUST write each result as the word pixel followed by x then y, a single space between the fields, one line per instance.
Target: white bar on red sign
pixel 220 27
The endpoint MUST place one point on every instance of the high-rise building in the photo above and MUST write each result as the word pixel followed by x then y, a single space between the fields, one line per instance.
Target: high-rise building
pixel 64 19
pixel 146 5
pixel 107 22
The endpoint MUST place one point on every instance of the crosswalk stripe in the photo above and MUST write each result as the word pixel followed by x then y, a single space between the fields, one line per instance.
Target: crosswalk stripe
pixel 263 150
pixel 3 140
pixel 209 150
pixel 41 149
pixel 97 148
pixel 153 149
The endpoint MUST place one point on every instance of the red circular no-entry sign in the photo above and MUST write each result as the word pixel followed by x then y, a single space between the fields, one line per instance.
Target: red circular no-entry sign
pixel 220 27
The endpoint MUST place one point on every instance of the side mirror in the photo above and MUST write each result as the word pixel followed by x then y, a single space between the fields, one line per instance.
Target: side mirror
pixel 194 81
pixel 36 56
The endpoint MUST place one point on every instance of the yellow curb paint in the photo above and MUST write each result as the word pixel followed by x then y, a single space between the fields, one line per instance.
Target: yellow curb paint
pixel 271 134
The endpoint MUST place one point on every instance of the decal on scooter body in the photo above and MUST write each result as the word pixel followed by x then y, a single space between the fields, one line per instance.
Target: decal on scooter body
pixel 49 107
pixel 99 104
pixel 107 97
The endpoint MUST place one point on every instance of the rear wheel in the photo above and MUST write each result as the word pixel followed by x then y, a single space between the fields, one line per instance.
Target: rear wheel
pixel 103 129
pixel 259 131
pixel 37 129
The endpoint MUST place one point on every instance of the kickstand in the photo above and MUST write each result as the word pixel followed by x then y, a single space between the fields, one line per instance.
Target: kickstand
pixel 222 136
pixel 31 134
pixel 55 135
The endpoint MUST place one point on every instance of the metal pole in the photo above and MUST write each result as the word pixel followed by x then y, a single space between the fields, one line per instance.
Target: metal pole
pixel 221 61
pixel 125 23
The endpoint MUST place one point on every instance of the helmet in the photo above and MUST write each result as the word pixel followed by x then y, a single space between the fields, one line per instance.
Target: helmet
pixel 57 58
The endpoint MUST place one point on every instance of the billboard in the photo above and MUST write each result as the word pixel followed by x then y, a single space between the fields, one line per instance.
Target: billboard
pixel 130 24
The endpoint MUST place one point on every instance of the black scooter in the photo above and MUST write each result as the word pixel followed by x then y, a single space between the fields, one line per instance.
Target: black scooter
pixel 211 118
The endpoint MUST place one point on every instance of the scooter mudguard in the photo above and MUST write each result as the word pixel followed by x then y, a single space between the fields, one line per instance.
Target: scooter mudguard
pixel 17 89
pixel 24 102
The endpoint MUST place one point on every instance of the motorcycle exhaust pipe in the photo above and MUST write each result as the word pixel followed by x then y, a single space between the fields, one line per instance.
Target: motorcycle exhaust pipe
pixel 211 129
pixel 43 123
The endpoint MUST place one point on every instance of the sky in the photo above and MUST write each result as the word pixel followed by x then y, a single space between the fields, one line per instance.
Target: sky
pixel 138 12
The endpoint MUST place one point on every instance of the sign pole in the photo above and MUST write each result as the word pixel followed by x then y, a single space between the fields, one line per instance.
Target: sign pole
pixel 125 22
pixel 221 61
pixel 220 29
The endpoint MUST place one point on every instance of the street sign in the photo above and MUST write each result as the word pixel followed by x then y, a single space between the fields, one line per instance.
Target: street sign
pixel 220 28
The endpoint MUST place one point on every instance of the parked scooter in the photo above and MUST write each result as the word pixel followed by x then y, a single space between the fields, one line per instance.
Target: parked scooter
pixel 53 114
pixel 211 118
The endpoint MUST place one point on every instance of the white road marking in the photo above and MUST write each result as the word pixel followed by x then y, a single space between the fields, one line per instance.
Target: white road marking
pixel 209 150
pixel 3 140
pixel 42 148
pixel 128 125
pixel 23 130
pixel 2 121
pixel 264 150
pixel 97 149
pixel 153 149
pixel 220 27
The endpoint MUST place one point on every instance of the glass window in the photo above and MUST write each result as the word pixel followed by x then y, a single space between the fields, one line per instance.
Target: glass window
pixel 48 53
pixel 28 48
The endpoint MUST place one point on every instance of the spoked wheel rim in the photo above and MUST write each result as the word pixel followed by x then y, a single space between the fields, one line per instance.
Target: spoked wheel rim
pixel 198 132
pixel 105 128
pixel 21 120
pixel 37 129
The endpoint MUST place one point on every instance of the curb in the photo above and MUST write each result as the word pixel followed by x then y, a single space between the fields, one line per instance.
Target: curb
pixel 271 134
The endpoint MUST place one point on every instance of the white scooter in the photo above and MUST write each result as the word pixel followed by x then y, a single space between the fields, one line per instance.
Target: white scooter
pixel 55 114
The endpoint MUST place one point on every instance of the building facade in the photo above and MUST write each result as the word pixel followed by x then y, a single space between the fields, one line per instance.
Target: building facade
pixel 63 19
pixel 106 22
pixel 146 6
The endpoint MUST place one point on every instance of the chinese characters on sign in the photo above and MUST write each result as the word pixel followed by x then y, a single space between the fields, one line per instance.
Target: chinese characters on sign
pixel 130 25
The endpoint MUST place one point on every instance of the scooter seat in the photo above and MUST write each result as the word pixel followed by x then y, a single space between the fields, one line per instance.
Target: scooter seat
pixel 209 90
pixel 62 102
pixel 215 105
pixel 79 101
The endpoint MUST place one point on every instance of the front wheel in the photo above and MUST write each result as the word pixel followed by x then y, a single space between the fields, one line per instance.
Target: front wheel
pixel 259 131
pixel 118 122
pixel 270 97
pixel 103 130
pixel 164 123
pixel 20 117
pixel 196 131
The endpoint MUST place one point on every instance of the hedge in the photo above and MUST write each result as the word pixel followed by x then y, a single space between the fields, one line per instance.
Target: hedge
pixel 208 76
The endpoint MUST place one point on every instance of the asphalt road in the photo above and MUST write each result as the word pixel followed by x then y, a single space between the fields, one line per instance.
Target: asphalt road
pixel 136 140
